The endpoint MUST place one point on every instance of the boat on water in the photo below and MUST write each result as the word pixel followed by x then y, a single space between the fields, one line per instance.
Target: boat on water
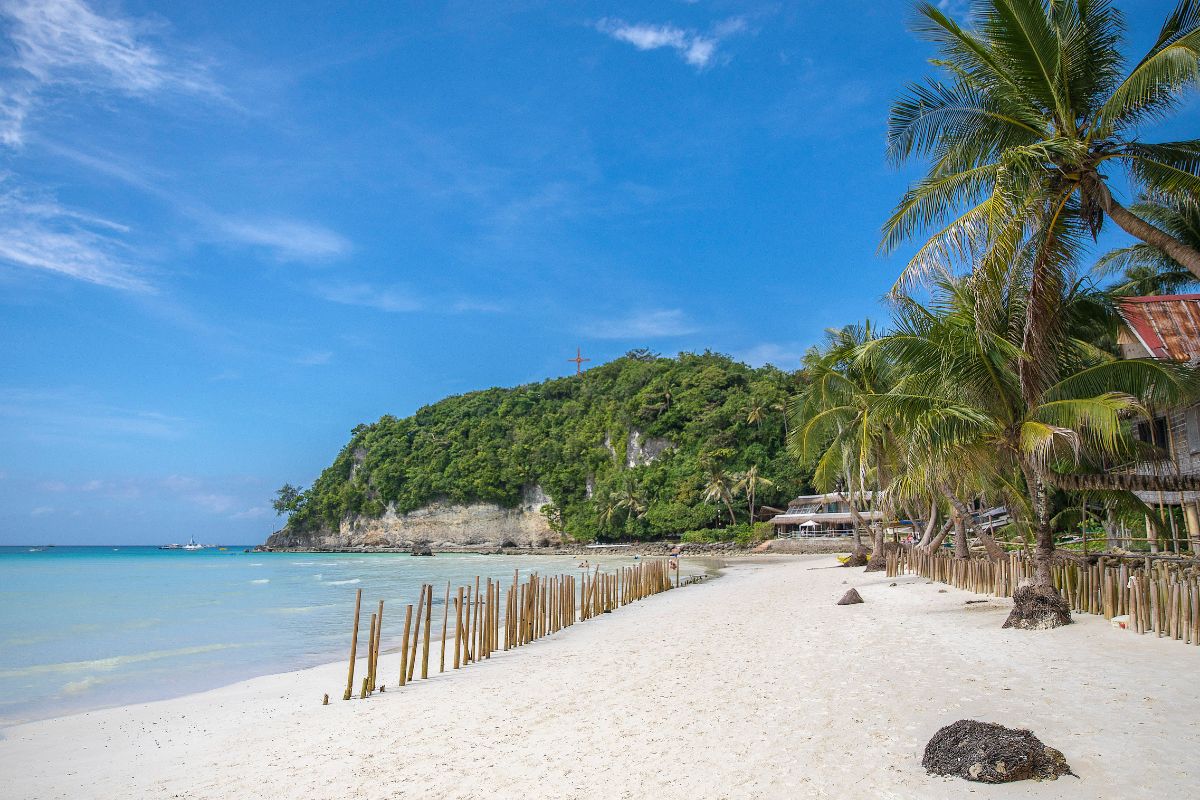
pixel 192 544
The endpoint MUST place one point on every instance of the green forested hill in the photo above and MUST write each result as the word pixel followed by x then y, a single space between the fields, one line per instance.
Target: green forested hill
pixel 570 436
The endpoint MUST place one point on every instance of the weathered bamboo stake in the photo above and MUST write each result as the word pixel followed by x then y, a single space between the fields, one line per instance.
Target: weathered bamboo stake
pixel 412 656
pixel 404 645
pixel 465 633
pixel 458 625
pixel 428 624
pixel 378 641
pixel 474 649
pixel 370 676
pixel 445 620
pixel 353 646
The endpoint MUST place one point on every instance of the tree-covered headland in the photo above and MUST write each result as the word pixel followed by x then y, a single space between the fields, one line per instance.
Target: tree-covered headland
pixel 708 438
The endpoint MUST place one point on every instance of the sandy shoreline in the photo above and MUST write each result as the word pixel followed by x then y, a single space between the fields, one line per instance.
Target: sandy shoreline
pixel 754 685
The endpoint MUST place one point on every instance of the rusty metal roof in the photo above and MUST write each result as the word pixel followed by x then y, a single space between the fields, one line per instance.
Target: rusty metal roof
pixel 1168 326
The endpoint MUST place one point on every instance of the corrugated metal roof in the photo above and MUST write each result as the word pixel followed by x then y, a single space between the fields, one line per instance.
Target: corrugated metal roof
pixel 1168 326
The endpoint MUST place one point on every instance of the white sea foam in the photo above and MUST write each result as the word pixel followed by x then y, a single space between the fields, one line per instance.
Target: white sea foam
pixel 341 583
pixel 113 662
pixel 75 687
pixel 261 580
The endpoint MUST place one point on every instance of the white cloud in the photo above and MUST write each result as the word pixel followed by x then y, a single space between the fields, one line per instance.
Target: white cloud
pixel 39 234
pixel 394 300
pixel 41 511
pixel 697 49
pixel 644 325
pixel 66 43
pixel 287 239
pixel 70 416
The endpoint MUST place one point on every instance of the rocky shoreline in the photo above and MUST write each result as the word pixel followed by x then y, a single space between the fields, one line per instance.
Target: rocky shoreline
pixel 659 548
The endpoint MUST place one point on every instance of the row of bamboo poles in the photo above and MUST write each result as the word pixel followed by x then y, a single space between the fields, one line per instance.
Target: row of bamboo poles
pixel 1147 596
pixel 489 616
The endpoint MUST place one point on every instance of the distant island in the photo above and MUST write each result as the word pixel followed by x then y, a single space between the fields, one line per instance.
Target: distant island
pixel 643 447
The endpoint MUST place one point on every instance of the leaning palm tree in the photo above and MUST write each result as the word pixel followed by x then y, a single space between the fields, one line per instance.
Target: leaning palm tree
pixel 719 489
pixel 1035 109
pixel 834 428
pixel 1144 269
pixel 967 412
pixel 748 483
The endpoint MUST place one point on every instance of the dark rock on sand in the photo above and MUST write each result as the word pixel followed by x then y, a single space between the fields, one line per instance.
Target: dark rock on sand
pixel 990 753
pixel 858 558
pixel 850 598
pixel 1037 608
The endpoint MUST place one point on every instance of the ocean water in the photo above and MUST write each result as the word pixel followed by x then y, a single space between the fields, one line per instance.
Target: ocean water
pixel 89 627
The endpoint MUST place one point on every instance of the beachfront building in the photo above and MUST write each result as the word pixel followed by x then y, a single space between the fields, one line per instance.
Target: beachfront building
pixel 1167 327
pixel 822 515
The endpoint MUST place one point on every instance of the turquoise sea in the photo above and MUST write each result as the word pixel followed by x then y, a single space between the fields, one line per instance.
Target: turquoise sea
pixel 88 627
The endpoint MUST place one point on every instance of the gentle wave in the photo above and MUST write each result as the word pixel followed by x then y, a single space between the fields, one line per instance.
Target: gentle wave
pixel 113 662
pixel 261 580
pixel 341 583
pixel 80 686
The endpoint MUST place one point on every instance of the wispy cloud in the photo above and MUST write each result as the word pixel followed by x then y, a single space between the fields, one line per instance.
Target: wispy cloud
pixel 399 300
pixel 285 239
pixel 59 43
pixel 70 416
pixel 654 324
pixel 390 299
pixel 38 233
pixel 694 47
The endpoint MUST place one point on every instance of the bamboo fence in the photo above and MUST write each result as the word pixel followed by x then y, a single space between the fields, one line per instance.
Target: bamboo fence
pixel 1147 595
pixel 489 616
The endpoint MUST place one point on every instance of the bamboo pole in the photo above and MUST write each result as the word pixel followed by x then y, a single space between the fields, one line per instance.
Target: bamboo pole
pixel 370 677
pixel 375 647
pixel 428 624
pixel 458 626
pixel 412 656
pixel 445 619
pixel 353 646
pixel 404 645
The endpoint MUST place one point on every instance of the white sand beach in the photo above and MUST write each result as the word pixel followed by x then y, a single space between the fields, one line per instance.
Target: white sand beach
pixel 754 685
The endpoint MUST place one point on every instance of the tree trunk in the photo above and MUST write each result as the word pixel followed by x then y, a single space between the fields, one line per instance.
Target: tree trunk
pixel 1038 605
pixel 1111 540
pixel 961 550
pixel 878 562
pixel 930 526
pixel 937 540
pixel 994 550
pixel 1137 227
pixel 856 519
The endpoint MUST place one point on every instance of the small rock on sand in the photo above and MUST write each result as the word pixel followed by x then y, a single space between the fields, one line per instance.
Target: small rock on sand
pixel 850 598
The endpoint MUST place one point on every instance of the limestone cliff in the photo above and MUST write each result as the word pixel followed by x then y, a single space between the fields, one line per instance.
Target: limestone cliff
pixel 441 525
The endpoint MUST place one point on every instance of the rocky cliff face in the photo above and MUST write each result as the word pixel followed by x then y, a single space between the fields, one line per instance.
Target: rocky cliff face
pixel 439 524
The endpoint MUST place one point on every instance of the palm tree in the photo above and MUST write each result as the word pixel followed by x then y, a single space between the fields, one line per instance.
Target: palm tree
pixel 756 414
pixel 719 490
pixel 1035 105
pixel 965 416
pixel 834 427
pixel 1146 269
pixel 631 500
pixel 749 483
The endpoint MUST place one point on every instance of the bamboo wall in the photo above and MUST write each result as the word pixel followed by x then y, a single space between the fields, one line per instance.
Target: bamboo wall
pixel 1148 596
pixel 488 616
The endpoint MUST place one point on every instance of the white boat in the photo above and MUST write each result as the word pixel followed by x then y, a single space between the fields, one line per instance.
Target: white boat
pixel 193 545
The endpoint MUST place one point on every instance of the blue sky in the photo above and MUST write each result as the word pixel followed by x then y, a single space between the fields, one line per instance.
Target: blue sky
pixel 231 231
